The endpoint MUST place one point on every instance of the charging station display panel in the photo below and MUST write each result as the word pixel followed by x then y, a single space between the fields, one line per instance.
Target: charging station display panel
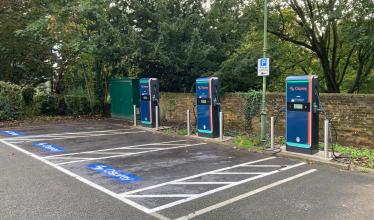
pixel 298 112
pixel 145 105
pixel 204 108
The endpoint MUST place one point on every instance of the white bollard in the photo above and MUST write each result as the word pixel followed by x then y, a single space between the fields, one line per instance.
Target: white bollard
pixel 135 115
pixel 272 133
pixel 156 117
pixel 188 123
pixel 326 148
pixel 220 126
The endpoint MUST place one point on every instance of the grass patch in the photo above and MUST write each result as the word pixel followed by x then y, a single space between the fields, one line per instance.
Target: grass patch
pixel 361 157
pixel 176 131
pixel 249 142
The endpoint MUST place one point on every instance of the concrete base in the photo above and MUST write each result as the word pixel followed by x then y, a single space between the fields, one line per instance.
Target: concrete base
pixel 319 155
pixel 153 129
pixel 225 138
pixel 315 158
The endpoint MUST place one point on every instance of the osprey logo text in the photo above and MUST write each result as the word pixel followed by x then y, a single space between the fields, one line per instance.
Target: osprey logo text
pixel 12 133
pixel 117 174
pixel 49 147
pixel 296 88
pixel 202 87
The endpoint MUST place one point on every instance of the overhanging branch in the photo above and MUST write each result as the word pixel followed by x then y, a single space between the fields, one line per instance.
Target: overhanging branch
pixel 292 40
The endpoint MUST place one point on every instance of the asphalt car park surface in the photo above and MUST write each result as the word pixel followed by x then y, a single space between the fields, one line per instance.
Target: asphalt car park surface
pixel 105 169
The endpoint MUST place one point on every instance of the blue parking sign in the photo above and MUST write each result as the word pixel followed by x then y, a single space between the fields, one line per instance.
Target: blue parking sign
pixel 264 62
pixel 263 67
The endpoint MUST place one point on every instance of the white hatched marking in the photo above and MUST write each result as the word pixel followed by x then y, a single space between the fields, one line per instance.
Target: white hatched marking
pixel 192 177
pixel 243 196
pixel 221 188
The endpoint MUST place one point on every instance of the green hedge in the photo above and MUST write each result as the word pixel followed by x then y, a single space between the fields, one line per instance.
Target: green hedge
pixel 47 103
pixel 11 102
pixel 77 105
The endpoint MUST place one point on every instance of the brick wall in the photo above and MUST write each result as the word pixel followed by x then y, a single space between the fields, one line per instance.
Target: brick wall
pixel 352 115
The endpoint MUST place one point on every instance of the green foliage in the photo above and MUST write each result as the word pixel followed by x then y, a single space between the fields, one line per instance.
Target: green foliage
pixel 11 102
pixel 176 131
pixel 249 142
pixel 336 37
pixel 362 157
pixel 77 105
pixel 251 106
pixel 28 95
pixel 24 59
pixel 84 43
pixel 48 104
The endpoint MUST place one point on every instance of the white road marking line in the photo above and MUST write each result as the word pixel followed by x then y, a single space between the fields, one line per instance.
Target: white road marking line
pixel 161 196
pixel 69 158
pixel 240 173
pixel 72 137
pixel 123 152
pixel 159 216
pixel 130 154
pixel 222 188
pixel 260 165
pixel 105 153
pixel 201 183
pixel 243 196
pixel 117 148
pixel 88 182
pixel 66 133
pixel 192 177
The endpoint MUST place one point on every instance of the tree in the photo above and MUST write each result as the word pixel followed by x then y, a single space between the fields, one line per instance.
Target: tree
pixel 318 26
pixel 24 59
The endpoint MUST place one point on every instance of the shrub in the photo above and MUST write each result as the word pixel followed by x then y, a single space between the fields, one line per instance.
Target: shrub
pixel 28 95
pixel 77 105
pixel 47 103
pixel 10 101
pixel 252 106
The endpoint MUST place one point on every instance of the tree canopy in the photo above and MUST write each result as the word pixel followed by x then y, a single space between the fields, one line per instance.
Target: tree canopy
pixel 84 43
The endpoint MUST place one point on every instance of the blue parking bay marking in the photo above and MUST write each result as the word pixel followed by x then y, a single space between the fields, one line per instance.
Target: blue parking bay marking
pixel 48 147
pixel 116 174
pixel 11 133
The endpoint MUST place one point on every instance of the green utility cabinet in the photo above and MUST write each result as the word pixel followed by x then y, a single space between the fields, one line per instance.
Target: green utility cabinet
pixel 124 94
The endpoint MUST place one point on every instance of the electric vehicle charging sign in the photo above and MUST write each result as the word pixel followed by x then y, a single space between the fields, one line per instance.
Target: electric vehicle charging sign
pixel 49 147
pixel 116 174
pixel 263 67
pixel 11 133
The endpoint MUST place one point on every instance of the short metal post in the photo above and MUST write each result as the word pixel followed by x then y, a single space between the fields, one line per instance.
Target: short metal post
pixel 156 117
pixel 135 115
pixel 326 148
pixel 188 123
pixel 220 126
pixel 272 133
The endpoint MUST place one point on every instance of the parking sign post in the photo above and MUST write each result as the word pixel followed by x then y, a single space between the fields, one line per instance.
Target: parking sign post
pixel 262 62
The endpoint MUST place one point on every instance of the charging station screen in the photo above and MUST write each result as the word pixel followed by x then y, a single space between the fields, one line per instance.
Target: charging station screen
pixel 145 98
pixel 203 101
pixel 298 106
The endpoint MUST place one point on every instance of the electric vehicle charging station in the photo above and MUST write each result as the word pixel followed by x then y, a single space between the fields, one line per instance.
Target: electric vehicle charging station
pixel 149 101
pixel 302 114
pixel 208 107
